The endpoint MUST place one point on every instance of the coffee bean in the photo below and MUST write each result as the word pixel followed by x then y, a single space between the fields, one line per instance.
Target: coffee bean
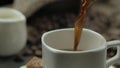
pixel 111 54
pixel 56 26
pixel 31 39
pixel 117 64
pixel 34 47
pixel 39 47
pixel 38 53
pixel 35 34
pixel 30 29
pixel 49 26
pixel 42 31
pixel 27 52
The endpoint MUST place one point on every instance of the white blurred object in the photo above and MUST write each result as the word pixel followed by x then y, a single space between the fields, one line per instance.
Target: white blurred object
pixel 28 7
pixel 111 67
pixel 13 33
pixel 23 66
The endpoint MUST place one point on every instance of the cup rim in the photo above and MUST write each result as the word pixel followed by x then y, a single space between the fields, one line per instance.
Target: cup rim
pixel 63 51
pixel 18 13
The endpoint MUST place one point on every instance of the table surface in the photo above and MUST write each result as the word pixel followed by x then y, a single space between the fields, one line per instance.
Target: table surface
pixel 9 63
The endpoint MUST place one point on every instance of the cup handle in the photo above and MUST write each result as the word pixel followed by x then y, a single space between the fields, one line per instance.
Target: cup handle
pixel 116 58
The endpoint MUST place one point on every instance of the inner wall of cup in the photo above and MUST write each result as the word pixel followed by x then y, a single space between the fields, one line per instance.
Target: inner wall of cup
pixel 9 14
pixel 64 39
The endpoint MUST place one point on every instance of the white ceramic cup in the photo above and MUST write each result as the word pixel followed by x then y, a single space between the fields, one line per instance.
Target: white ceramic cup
pixel 13 33
pixel 94 48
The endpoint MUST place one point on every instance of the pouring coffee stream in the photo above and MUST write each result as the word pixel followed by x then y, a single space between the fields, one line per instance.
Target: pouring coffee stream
pixel 79 22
